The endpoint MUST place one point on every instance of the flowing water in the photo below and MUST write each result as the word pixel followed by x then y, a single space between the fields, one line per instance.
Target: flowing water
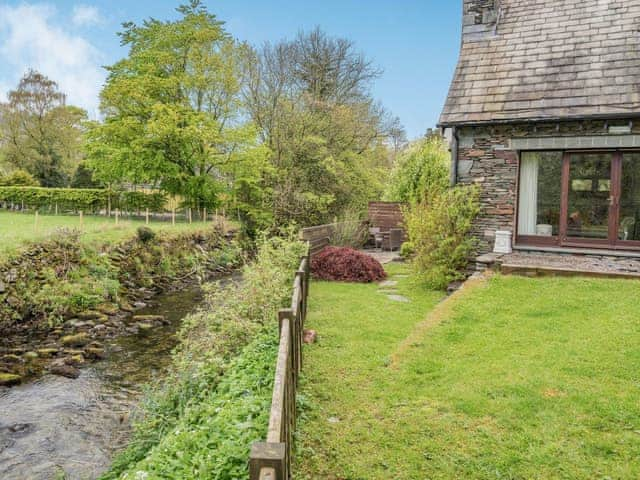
pixel 58 428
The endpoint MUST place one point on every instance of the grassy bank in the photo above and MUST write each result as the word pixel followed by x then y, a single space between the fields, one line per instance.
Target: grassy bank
pixel 515 378
pixel 201 420
pixel 19 229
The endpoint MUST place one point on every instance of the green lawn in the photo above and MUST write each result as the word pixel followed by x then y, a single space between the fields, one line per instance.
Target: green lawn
pixel 514 378
pixel 17 229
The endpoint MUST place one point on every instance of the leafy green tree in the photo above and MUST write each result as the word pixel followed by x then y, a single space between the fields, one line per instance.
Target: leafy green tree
pixel 172 109
pixel 39 132
pixel 421 171
pixel 310 98
pixel 83 178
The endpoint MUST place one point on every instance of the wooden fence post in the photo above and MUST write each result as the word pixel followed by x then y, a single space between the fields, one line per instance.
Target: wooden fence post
pixel 35 227
pixel 173 217
pixel 268 461
pixel 146 217
pixel 189 214
pixel 81 219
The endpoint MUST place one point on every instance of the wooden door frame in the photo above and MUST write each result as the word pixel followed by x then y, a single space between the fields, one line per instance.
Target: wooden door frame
pixel 562 239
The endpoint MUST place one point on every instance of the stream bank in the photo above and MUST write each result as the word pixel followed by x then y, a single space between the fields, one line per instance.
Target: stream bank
pixel 55 427
pixel 61 300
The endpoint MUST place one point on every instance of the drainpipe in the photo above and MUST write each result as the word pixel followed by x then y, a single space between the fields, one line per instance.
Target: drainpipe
pixel 454 156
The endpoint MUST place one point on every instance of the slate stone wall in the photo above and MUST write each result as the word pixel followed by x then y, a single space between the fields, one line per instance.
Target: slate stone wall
pixel 486 159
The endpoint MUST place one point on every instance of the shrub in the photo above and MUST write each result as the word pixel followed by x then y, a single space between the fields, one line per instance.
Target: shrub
pixel 407 249
pixel 18 178
pixel 85 199
pixel 439 231
pixel 145 234
pixel 422 170
pixel 346 265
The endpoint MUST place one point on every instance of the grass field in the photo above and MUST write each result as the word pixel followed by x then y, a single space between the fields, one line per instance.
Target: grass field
pixel 513 379
pixel 18 229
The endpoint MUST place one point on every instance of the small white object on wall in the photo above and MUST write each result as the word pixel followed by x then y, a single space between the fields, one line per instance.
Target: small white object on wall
pixel 503 242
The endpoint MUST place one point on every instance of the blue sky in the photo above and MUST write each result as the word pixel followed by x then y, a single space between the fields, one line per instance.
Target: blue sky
pixel 415 42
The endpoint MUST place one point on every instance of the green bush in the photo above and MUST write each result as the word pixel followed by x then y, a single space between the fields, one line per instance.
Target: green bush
pixel 85 199
pixel 439 231
pixel 18 178
pixel 421 170
pixel 201 421
pixel 407 249
pixel 145 234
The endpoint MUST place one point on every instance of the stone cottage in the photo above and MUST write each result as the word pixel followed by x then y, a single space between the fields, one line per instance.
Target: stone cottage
pixel 544 115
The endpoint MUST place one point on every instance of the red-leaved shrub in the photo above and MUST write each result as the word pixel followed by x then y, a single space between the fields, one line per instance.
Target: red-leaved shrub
pixel 346 265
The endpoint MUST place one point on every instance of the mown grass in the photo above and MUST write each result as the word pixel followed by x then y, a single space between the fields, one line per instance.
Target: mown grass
pixel 19 229
pixel 518 379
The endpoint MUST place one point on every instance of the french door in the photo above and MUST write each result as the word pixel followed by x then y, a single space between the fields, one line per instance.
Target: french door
pixel 595 202
pixel 600 199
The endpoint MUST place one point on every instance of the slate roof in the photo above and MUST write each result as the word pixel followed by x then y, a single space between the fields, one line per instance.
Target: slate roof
pixel 546 59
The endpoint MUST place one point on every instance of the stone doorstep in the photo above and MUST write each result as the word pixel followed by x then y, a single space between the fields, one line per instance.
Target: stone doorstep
pixel 534 270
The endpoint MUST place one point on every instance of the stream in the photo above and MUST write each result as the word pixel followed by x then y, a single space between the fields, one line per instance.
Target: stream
pixel 58 428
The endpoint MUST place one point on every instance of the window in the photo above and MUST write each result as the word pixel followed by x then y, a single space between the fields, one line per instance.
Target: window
pixel 540 190
pixel 579 199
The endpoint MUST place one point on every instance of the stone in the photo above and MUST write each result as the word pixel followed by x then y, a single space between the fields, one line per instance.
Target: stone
pixel 398 298
pixel 92 315
pixel 3 287
pixel 309 337
pixel 9 379
pixel 11 276
pixel 333 420
pixel 75 360
pixel 144 327
pixel 30 356
pixel 108 309
pixel 79 340
pixel 149 318
pixel 138 305
pixel 388 283
pixel 95 353
pixel 64 370
pixel 11 358
pixel 47 352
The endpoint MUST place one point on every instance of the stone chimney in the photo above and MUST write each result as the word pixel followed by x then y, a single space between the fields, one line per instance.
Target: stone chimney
pixel 480 19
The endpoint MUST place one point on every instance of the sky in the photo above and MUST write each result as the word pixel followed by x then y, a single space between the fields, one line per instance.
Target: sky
pixel 415 42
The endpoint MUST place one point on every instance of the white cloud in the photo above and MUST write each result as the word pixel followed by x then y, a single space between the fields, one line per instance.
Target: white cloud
pixel 48 47
pixel 86 16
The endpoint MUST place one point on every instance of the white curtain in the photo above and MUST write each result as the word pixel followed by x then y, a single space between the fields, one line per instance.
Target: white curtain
pixel 528 208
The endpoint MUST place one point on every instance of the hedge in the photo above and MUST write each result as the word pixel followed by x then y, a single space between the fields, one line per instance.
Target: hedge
pixel 85 199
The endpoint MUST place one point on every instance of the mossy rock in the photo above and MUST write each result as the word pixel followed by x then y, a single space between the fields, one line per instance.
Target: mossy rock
pixel 149 318
pixel 108 309
pixel 91 315
pixel 145 327
pixel 30 356
pixel 79 340
pixel 11 358
pixel 9 379
pixel 47 352
pixel 95 353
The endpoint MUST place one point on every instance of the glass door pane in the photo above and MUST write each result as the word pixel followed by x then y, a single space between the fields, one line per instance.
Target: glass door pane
pixel 540 192
pixel 629 227
pixel 589 196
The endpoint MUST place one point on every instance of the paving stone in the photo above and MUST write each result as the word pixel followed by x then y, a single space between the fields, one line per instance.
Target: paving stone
pixel 398 298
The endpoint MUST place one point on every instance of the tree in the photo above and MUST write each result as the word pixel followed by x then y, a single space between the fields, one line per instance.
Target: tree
pixel 39 133
pixel 172 109
pixel 328 138
pixel 421 171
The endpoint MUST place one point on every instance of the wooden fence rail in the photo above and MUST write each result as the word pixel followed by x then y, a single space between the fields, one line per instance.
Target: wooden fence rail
pixel 271 460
